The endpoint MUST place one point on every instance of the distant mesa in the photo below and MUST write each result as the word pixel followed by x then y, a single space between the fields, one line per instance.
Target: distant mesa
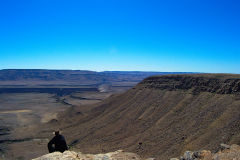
pixel 41 77
pixel 65 82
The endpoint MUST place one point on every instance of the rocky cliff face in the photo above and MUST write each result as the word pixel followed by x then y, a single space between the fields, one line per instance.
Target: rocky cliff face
pixel 220 84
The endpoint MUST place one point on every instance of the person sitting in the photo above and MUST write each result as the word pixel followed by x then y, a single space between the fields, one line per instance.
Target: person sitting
pixel 57 143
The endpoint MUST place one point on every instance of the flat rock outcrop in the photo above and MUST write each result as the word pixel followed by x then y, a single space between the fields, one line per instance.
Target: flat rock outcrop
pixel 71 155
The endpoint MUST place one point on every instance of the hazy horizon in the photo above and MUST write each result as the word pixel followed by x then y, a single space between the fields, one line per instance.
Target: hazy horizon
pixel 88 70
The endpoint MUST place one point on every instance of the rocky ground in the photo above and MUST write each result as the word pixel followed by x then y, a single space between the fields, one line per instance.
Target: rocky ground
pixel 226 153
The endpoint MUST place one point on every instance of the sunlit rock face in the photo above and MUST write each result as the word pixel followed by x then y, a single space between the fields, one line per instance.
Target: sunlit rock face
pixel 71 155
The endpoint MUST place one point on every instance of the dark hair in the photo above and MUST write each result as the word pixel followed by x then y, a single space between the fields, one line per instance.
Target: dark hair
pixel 56 132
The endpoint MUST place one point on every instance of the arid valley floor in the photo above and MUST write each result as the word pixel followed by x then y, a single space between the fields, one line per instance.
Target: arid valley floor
pixel 23 110
pixel 29 98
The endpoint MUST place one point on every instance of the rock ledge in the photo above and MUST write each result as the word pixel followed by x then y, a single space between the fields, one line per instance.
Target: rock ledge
pixel 71 155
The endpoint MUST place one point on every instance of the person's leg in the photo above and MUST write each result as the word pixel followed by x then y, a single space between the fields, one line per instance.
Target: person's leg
pixel 51 148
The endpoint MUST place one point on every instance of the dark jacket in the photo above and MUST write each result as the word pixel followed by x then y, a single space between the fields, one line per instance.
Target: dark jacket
pixel 59 144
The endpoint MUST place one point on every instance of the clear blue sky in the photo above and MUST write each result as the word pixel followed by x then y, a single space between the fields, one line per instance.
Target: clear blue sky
pixel 143 35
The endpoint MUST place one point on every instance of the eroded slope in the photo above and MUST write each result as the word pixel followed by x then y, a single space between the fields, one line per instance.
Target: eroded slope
pixel 161 117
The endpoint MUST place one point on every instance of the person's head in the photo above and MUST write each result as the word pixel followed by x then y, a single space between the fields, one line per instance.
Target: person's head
pixel 57 132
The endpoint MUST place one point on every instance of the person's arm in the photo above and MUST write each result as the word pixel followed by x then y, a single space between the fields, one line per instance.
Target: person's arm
pixel 65 144
pixel 50 145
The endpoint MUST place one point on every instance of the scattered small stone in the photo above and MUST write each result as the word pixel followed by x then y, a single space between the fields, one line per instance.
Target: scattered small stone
pixel 188 155
pixel 224 146
pixel 227 152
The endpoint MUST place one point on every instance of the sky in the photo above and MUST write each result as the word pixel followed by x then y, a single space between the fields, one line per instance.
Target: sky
pixel 121 35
